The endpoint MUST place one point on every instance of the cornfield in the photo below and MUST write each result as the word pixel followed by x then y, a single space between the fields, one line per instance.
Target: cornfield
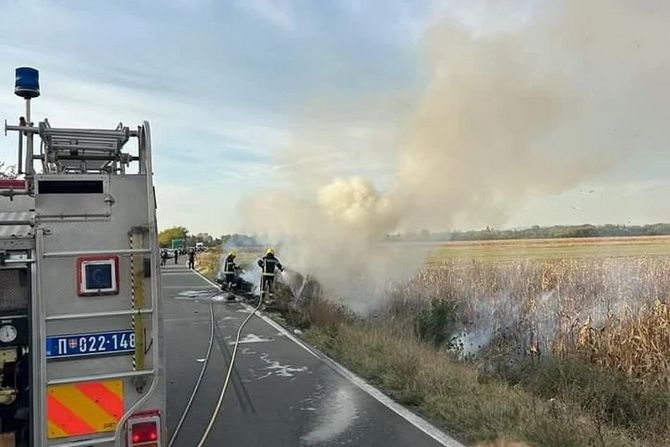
pixel 610 311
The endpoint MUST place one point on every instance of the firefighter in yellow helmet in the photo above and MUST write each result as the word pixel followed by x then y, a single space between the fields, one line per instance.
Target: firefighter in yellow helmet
pixel 230 268
pixel 269 264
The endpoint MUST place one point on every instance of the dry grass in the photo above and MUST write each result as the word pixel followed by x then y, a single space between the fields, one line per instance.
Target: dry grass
pixel 636 344
pixel 207 262
pixel 469 406
pixel 613 312
pixel 568 248
pixel 503 443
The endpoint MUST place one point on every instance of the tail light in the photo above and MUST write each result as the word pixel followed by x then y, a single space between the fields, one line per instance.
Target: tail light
pixel 144 430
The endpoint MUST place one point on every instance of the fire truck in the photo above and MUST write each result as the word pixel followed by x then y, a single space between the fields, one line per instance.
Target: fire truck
pixel 81 351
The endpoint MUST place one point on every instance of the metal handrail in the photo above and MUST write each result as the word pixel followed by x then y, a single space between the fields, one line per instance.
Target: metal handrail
pixel 121 252
pixel 114 313
pixel 97 377
pixel 56 131
pixel 74 215
pixel 17 261
pixel 84 145
pixel 64 131
pixel 26 129
pixel 15 223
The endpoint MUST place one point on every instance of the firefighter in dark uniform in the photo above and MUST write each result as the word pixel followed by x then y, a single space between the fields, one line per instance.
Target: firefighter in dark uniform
pixel 269 264
pixel 229 269
pixel 191 258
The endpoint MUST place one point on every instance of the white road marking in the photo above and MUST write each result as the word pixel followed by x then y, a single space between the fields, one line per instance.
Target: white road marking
pixel 414 419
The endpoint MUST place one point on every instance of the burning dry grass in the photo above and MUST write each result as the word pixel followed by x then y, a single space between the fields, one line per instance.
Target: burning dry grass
pixel 611 312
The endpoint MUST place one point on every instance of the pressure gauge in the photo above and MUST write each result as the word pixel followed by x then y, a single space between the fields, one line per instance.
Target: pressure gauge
pixel 7 333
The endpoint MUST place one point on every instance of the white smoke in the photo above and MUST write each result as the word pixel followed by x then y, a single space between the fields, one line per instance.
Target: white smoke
pixel 334 238
pixel 573 91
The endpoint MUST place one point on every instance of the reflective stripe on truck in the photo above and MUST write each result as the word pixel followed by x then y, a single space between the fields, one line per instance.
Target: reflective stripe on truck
pixel 84 408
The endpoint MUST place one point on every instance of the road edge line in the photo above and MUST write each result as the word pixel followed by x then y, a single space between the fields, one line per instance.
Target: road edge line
pixel 417 421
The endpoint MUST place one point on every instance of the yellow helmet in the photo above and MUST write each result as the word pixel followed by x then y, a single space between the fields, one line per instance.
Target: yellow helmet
pixel 270 251
pixel 233 253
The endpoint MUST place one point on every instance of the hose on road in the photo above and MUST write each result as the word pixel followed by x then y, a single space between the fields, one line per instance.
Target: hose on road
pixel 228 374
pixel 202 373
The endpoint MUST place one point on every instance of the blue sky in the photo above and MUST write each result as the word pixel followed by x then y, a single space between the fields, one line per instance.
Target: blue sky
pixel 227 85
pixel 218 81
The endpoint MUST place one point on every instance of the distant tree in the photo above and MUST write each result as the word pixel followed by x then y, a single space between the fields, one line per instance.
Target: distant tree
pixel 165 236
pixel 205 238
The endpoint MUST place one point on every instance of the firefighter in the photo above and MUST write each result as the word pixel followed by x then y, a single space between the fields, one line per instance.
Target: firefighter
pixel 191 258
pixel 269 263
pixel 229 269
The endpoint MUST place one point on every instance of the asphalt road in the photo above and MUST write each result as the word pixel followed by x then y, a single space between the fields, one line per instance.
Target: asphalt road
pixel 281 394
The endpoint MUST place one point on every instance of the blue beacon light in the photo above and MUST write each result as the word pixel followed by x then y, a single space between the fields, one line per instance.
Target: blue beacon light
pixel 27 83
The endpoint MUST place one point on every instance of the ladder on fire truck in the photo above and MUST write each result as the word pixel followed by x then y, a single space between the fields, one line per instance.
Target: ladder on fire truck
pixel 91 154
pixel 85 150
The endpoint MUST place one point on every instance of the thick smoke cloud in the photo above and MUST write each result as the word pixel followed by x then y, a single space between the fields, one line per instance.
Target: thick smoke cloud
pixel 334 238
pixel 574 91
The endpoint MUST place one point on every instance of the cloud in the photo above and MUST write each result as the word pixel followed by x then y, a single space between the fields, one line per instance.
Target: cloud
pixel 278 13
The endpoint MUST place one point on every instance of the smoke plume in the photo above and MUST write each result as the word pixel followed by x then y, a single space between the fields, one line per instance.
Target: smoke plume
pixel 571 92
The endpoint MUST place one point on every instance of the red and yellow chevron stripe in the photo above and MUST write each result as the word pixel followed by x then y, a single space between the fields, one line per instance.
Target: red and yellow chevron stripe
pixel 84 408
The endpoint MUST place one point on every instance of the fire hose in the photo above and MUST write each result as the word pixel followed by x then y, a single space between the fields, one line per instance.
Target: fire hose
pixel 228 374
pixel 197 383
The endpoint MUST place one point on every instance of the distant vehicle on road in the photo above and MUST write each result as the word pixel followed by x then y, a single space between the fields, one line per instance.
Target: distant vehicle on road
pixel 200 246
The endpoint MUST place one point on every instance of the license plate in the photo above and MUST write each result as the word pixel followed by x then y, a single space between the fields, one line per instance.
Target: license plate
pixel 90 344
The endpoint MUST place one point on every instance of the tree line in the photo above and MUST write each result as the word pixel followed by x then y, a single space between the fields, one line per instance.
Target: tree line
pixel 166 236
pixel 536 232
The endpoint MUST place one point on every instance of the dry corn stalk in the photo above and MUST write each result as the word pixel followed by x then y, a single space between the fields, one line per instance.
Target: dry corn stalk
pixel 612 311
